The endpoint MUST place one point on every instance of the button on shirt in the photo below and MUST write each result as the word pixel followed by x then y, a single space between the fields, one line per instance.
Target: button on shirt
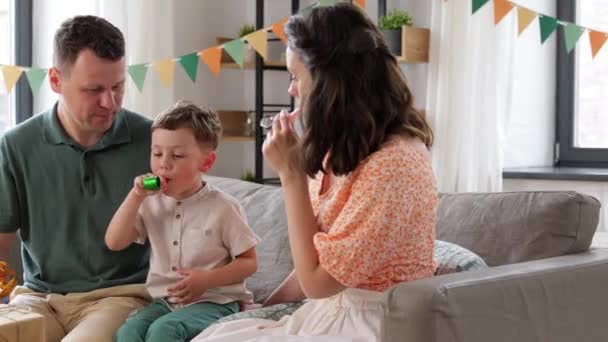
pixel 204 231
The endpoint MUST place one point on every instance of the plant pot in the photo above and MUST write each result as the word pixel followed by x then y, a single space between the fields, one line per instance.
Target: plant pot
pixel 393 40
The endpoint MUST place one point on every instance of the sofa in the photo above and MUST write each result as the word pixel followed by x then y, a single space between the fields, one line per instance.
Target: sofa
pixel 543 282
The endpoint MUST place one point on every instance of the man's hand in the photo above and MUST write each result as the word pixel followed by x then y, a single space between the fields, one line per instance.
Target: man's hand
pixel 190 288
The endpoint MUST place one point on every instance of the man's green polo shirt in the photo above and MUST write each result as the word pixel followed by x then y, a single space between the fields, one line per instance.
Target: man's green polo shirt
pixel 61 197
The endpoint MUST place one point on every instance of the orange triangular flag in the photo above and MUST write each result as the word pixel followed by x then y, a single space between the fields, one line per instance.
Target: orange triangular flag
pixel 524 18
pixel 213 58
pixel 501 9
pixel 361 3
pixel 11 75
pixel 278 29
pixel 165 70
pixel 259 41
pixel 597 40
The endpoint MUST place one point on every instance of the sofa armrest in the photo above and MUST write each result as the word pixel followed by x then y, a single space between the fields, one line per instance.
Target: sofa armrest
pixel 556 299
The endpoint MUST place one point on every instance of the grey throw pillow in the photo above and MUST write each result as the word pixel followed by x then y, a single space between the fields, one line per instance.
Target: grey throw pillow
pixel 453 258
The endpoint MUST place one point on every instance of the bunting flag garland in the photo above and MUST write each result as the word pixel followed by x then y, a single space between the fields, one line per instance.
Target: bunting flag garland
pixel 211 56
pixel 501 9
pixel 597 40
pixel 259 41
pixel 572 33
pixel 477 4
pixel 11 75
pixel 165 69
pixel 190 64
pixel 236 49
pixel 524 19
pixel 35 77
pixel 547 24
pixel 138 74
pixel 277 29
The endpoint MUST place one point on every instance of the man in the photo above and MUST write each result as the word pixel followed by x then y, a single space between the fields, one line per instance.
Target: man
pixel 63 173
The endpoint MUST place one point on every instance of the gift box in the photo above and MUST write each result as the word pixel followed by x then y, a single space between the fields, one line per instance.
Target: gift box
pixel 20 324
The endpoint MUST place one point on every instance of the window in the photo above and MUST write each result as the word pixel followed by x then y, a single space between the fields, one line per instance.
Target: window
pixel 15 49
pixel 6 117
pixel 582 89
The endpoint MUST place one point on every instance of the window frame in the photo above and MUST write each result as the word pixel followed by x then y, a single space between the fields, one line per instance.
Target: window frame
pixel 22 99
pixel 566 154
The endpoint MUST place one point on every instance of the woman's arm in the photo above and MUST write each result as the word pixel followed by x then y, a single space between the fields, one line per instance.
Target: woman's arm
pixel 314 281
pixel 288 292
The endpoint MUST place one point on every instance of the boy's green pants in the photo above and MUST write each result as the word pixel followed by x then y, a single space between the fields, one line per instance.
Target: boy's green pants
pixel 157 322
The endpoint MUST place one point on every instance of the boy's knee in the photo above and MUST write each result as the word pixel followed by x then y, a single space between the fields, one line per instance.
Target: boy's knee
pixel 131 331
pixel 166 330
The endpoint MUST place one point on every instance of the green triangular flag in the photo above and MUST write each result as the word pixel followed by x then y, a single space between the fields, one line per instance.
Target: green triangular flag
pixel 477 4
pixel 235 49
pixel 547 26
pixel 35 77
pixel 306 10
pixel 138 74
pixel 572 33
pixel 190 64
pixel 327 2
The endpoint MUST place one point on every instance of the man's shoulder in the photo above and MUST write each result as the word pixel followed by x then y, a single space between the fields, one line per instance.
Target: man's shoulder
pixel 28 131
pixel 136 120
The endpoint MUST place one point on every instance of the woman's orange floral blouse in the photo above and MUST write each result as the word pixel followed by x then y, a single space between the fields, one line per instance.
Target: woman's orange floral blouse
pixel 378 222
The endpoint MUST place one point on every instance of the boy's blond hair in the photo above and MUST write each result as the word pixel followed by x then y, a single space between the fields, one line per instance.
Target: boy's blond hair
pixel 203 121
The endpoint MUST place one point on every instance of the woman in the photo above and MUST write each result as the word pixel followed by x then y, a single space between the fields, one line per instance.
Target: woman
pixel 365 220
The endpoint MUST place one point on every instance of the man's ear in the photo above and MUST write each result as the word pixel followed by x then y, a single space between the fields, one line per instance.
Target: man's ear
pixel 208 162
pixel 55 80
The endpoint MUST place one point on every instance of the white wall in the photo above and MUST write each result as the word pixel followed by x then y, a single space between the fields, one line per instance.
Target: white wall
pixel 192 25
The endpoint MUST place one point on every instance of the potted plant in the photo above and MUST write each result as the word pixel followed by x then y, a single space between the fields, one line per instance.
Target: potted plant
pixel 249 53
pixel 245 30
pixel 391 26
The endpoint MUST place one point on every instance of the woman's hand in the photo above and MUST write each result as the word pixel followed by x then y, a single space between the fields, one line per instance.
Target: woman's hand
pixel 278 148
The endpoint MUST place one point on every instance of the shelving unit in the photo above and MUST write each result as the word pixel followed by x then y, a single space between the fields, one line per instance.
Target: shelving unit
pixel 415 46
pixel 260 106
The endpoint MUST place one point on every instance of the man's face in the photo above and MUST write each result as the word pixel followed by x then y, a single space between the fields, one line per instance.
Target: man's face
pixel 91 93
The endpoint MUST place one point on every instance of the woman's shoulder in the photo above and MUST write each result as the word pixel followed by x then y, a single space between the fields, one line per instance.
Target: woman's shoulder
pixel 399 154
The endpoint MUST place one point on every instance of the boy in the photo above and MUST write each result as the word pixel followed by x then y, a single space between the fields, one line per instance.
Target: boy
pixel 201 246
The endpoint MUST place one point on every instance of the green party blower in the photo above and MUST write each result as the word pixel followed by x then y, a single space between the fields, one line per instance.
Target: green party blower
pixel 151 183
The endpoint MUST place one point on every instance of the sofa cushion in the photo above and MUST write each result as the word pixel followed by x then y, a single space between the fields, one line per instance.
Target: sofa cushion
pixel 509 227
pixel 452 258
pixel 265 211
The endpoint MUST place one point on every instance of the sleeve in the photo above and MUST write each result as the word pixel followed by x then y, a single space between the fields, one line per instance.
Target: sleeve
pixel 237 236
pixel 9 198
pixel 377 222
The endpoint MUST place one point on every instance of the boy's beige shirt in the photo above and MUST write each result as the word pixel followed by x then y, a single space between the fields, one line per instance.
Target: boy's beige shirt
pixel 204 231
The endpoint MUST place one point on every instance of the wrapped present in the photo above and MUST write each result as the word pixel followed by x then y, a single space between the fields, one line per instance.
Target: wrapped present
pixel 8 281
pixel 21 324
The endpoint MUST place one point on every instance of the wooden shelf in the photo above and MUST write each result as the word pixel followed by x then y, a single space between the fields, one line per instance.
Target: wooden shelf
pixel 414 45
pixel 237 138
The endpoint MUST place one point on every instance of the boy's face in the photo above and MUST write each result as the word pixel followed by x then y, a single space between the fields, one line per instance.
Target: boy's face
pixel 179 160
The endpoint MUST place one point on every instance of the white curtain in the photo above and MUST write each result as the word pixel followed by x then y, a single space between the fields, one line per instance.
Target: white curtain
pixel 469 91
pixel 148 29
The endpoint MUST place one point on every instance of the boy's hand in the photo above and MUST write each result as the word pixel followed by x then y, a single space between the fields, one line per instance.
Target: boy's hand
pixel 138 186
pixel 190 288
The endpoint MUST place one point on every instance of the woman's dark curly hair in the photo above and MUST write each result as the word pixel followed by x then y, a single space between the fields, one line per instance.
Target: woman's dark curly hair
pixel 358 97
